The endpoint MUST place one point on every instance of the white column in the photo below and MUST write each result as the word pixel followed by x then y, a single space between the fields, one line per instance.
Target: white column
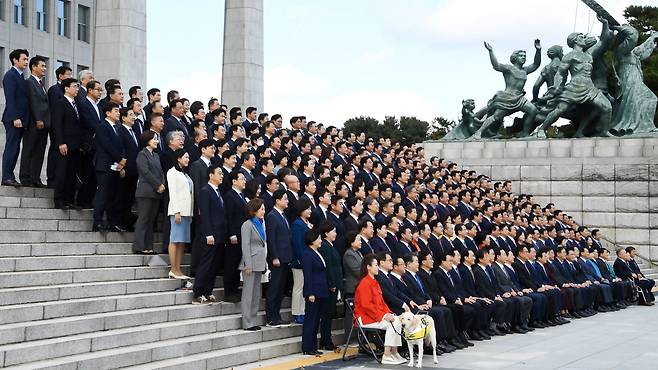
pixel 242 66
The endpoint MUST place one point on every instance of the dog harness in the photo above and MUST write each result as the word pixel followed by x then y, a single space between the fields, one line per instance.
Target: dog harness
pixel 425 327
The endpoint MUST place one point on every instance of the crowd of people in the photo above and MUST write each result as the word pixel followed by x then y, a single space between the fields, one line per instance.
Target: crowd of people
pixel 319 214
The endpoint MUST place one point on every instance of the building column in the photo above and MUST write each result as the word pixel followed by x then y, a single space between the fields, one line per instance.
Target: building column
pixel 242 66
pixel 120 42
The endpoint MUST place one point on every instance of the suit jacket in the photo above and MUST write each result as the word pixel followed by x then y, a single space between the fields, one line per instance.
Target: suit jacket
pixel 393 242
pixel 448 288
pixel 318 216
pixel 236 213
pixel 442 211
pixel 485 284
pixel 279 240
pixel 379 245
pixel 622 269
pixel 603 267
pixel 131 148
pixel 467 279
pixel 334 265
pixel 464 210
pixel 212 216
pixel 525 275
pixel 340 243
pixel 554 270
pixel 150 175
pixel 254 250
pixel 199 174
pixel 430 285
pixel 446 244
pixel 267 199
pixel 109 148
pixel 54 93
pixel 173 124
pixel 350 224
pixel 634 267
pixel 405 290
pixel 459 245
pixel 393 298
pixel 505 283
pixel 89 120
pixel 66 126
pixel 351 266
pixel 38 99
pixel 17 105
pixel 298 230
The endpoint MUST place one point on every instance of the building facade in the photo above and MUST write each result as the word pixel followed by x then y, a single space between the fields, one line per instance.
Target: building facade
pixel 107 36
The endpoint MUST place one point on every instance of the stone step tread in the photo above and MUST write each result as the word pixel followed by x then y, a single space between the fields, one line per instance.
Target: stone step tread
pixel 26 202
pixel 26 192
pixel 17 224
pixel 50 263
pixel 63 292
pixel 10 237
pixel 80 275
pixel 44 213
pixel 64 249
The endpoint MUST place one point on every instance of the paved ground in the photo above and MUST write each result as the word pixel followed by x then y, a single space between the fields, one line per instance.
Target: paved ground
pixel 626 339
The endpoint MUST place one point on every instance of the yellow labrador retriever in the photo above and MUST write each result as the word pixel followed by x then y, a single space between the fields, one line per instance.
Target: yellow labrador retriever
pixel 418 330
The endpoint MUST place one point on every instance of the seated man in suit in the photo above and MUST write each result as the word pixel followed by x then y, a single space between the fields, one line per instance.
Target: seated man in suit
pixel 624 271
pixel 539 301
pixel 577 298
pixel 645 283
pixel 605 290
pixel 623 290
pixel 509 290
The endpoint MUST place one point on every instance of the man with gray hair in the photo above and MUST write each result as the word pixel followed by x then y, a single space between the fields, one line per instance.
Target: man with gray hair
pixel 84 76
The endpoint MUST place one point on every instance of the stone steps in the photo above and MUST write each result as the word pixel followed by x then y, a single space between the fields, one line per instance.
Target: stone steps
pixel 83 275
pixel 63 249
pixel 16 224
pixel 230 357
pixel 45 213
pixel 187 351
pixel 8 237
pixel 46 263
pixel 26 192
pixel 83 322
pixel 26 202
pixel 200 328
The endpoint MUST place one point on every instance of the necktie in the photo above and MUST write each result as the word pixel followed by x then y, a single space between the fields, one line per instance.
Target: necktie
pixel 114 127
pixel 42 85
pixel 221 201
pixel 420 285
pixel 75 108
pixel 159 141
pixel 450 278
pixel 132 134
pixel 486 271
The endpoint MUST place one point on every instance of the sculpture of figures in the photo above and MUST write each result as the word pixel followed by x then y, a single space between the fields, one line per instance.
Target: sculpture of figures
pixel 468 124
pixel 636 107
pixel 580 89
pixel 512 99
pixel 547 74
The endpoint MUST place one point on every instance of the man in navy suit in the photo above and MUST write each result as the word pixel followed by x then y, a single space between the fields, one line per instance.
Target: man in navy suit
pixel 236 214
pixel 36 130
pixel 55 93
pixel 16 115
pixel 279 255
pixel 90 118
pixel 394 298
pixel 128 181
pixel 68 138
pixel 212 216
pixel 334 217
pixel 110 160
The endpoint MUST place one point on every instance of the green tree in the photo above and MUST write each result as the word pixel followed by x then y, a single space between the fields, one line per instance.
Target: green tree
pixel 440 127
pixel 361 124
pixel 412 130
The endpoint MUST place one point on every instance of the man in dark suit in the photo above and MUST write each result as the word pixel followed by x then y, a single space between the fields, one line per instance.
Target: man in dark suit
pixel 279 255
pixel 110 160
pixel 508 289
pixel 394 298
pixel 198 173
pixel 334 217
pixel 68 138
pixel 236 214
pixel 128 179
pixel 55 93
pixel 175 121
pixel 624 270
pixel 16 115
pixel 36 134
pixel 486 286
pixel 90 118
pixel 212 220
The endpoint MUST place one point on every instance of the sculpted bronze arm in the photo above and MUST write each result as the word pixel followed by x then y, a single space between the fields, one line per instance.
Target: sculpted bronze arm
pixel 494 61
pixel 537 62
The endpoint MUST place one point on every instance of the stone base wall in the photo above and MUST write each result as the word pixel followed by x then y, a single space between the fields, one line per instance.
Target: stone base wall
pixel 610 184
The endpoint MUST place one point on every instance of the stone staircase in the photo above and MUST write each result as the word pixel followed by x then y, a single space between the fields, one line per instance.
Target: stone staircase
pixel 70 298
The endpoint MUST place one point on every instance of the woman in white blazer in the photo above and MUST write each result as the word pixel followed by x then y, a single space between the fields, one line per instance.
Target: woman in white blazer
pixel 181 194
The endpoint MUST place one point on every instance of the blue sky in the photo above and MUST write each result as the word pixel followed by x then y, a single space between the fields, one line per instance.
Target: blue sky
pixel 332 60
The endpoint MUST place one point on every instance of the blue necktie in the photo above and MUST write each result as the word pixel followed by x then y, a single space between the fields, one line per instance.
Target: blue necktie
pixel 221 201
pixel 420 285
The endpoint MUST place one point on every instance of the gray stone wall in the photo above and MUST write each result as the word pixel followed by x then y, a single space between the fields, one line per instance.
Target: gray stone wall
pixel 611 184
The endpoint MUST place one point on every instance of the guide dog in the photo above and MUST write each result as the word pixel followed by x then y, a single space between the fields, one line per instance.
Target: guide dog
pixel 418 330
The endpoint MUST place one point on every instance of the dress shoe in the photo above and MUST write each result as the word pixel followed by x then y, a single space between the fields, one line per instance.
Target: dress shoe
pixel 11 183
pixel 496 332
pixel 86 207
pixel 445 348
pixel 506 329
pixel 318 353
pixel 476 336
pixel 518 330
pixel 117 228
pixel 456 343
pixel 526 327
pixel 39 184
pixel 484 335
pixel 253 328
pixel 328 347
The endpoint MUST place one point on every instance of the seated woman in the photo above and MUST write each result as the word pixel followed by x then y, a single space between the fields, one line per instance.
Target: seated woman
pixel 371 310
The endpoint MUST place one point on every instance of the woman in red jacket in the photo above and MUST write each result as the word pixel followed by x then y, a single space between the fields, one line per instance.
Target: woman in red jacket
pixel 372 311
